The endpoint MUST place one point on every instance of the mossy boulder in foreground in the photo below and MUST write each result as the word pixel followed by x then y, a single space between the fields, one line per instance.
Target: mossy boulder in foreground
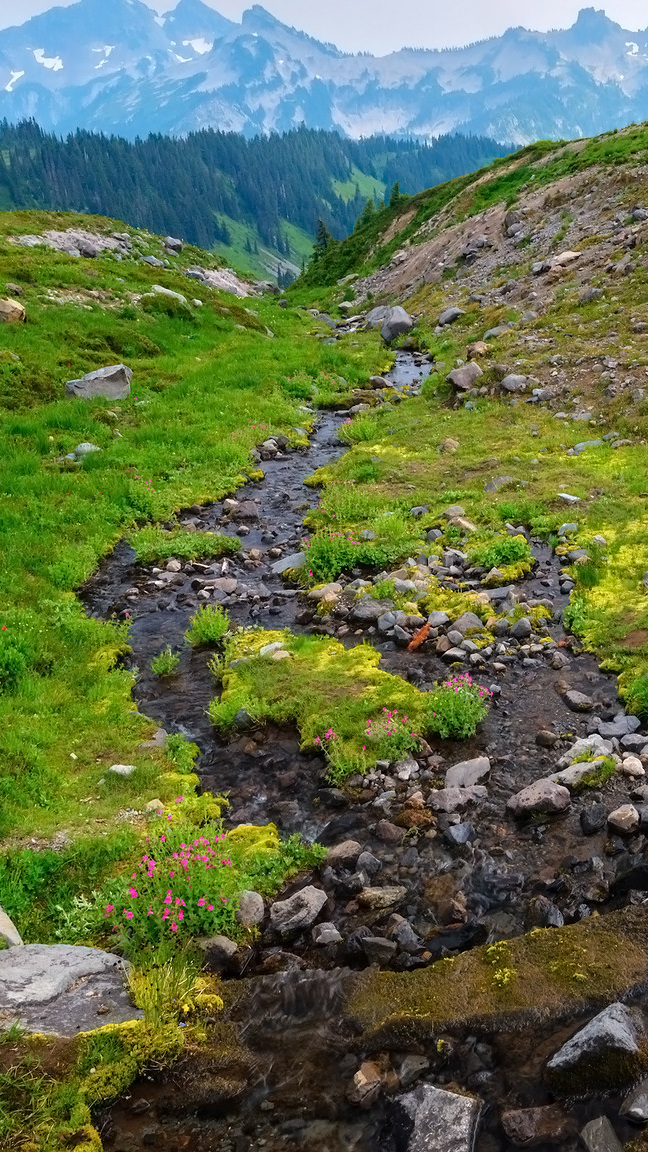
pixel 548 973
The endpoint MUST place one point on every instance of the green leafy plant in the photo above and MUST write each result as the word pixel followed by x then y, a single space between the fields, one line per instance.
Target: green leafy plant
pixel 188 880
pixel 457 706
pixel 207 626
pixel 165 663
pixel 500 551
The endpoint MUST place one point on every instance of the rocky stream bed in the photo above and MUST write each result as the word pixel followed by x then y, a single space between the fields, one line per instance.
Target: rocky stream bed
pixel 427 857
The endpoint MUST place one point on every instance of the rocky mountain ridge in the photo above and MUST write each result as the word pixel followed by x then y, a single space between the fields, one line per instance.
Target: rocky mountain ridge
pixel 126 69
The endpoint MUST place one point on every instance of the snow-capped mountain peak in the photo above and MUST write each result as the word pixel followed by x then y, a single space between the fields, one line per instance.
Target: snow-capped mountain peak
pixel 120 67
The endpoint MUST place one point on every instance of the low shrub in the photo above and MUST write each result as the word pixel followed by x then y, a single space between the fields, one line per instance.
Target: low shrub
pixel 188 881
pixel 457 706
pixel 165 663
pixel 207 626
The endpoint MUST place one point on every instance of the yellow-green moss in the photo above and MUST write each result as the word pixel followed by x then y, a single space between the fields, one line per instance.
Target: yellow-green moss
pixel 562 971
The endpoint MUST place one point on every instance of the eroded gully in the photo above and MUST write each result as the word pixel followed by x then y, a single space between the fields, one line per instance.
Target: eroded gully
pixel 289 1091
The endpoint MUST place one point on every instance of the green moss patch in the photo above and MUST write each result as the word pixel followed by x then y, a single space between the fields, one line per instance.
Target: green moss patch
pixel 558 972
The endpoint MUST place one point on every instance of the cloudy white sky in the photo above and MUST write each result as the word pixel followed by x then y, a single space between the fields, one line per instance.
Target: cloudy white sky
pixel 381 26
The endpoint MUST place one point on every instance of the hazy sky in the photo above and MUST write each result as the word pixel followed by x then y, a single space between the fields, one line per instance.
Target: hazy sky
pixel 381 26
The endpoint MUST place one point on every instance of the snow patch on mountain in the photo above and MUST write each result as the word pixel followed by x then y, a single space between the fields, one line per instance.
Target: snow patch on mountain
pixel 53 62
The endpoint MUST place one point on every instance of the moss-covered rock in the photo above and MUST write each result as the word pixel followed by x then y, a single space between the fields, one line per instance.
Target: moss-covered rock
pixel 562 972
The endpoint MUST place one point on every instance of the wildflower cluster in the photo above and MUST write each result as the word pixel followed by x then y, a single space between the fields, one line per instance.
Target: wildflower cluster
pixel 328 736
pixel 177 888
pixel 457 706
pixel 390 734
pixel 148 484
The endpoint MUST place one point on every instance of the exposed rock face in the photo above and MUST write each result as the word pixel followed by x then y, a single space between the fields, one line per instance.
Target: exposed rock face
pixel 61 990
pixel 113 383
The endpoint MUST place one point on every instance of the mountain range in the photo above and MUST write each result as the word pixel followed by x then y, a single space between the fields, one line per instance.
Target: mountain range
pixel 120 67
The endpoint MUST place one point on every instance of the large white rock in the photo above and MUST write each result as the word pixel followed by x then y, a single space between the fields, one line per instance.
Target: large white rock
pixel 430 1119
pixel 112 382
pixel 61 990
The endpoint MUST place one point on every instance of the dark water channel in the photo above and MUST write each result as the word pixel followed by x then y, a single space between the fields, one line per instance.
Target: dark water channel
pixel 288 1089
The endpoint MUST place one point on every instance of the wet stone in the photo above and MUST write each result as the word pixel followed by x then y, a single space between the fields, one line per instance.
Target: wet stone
pixel 615 1040
pixel 431 1119
pixel 468 772
pixel 599 1136
pixel 624 820
pixel 298 911
pixel 379 950
pixel 529 1127
pixel 577 701
pixel 324 934
pixel 635 1106
pixel 593 818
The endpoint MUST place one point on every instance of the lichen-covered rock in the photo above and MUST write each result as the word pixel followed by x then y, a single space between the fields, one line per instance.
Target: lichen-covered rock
pixel 431 1119
pixel 112 382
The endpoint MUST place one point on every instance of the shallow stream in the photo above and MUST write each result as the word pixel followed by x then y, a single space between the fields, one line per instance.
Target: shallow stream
pixel 288 1092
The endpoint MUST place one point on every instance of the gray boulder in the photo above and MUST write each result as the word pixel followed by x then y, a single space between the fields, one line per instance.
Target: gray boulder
pixel 218 951
pixel 468 772
pixel 599 1136
pixel 367 610
pixel 397 323
pixel 514 383
pixel 376 318
pixel 594 744
pixel 465 377
pixel 543 797
pixel 431 1119
pixel 468 622
pixel 450 316
pixel 635 1106
pixel 251 909
pixel 611 1050
pixel 113 383
pixel 9 934
pixel 288 917
pixel 522 628
pixel 61 990
pixel 296 560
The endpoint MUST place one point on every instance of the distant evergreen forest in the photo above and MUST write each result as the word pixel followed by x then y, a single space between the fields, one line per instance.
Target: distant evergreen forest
pixel 195 187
